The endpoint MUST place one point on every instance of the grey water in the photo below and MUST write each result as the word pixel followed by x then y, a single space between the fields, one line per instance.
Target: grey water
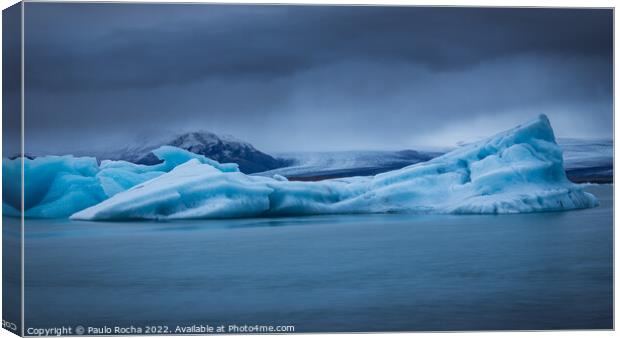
pixel 395 272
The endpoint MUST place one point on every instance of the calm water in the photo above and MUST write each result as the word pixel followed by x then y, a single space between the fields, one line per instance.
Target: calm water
pixel 328 273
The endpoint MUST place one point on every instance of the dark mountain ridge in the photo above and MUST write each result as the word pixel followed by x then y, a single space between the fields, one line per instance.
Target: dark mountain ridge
pixel 222 148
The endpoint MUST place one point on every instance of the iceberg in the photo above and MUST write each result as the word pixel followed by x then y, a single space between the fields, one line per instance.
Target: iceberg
pixel 59 186
pixel 516 171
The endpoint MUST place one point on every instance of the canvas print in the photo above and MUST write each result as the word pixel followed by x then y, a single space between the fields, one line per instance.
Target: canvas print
pixel 219 168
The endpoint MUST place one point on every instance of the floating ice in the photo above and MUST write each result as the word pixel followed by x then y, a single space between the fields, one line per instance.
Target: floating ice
pixel 58 186
pixel 519 170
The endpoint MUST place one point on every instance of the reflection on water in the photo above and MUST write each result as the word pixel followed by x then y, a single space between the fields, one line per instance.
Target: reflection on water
pixel 328 273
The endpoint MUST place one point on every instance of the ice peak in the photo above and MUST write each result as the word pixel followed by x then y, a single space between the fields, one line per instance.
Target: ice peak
pixel 538 128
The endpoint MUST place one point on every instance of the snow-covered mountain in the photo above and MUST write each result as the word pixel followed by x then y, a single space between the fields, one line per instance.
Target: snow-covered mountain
pixel 222 148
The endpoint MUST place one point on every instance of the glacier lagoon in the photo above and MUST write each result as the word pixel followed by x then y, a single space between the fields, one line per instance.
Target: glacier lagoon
pixel 387 272
pixel 426 247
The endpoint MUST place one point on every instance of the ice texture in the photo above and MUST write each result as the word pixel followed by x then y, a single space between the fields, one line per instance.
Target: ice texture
pixel 519 170
pixel 58 186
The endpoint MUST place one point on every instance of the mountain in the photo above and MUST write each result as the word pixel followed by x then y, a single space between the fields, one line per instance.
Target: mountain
pixel 222 148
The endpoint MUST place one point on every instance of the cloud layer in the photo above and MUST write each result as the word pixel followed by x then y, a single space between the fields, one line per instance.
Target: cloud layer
pixel 311 77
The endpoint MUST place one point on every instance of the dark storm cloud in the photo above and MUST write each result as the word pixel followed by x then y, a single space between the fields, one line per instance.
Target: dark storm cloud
pixel 364 72
pixel 101 46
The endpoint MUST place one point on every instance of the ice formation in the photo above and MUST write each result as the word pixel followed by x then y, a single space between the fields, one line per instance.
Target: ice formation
pixel 519 170
pixel 58 186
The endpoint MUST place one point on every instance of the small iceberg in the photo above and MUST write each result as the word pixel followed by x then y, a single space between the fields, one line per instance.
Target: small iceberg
pixel 517 171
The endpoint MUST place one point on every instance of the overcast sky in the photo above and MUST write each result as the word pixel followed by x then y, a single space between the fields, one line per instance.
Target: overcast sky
pixel 291 78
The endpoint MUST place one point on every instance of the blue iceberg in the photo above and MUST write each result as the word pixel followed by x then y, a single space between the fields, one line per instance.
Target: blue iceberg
pixel 519 170
pixel 58 186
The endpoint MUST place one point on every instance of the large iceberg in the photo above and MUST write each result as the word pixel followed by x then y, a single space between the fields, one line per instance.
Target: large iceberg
pixel 519 170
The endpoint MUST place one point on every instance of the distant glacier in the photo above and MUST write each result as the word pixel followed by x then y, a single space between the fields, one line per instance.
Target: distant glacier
pixel 588 160
pixel 313 166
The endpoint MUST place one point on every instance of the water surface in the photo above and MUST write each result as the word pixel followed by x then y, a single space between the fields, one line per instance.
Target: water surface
pixel 328 273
